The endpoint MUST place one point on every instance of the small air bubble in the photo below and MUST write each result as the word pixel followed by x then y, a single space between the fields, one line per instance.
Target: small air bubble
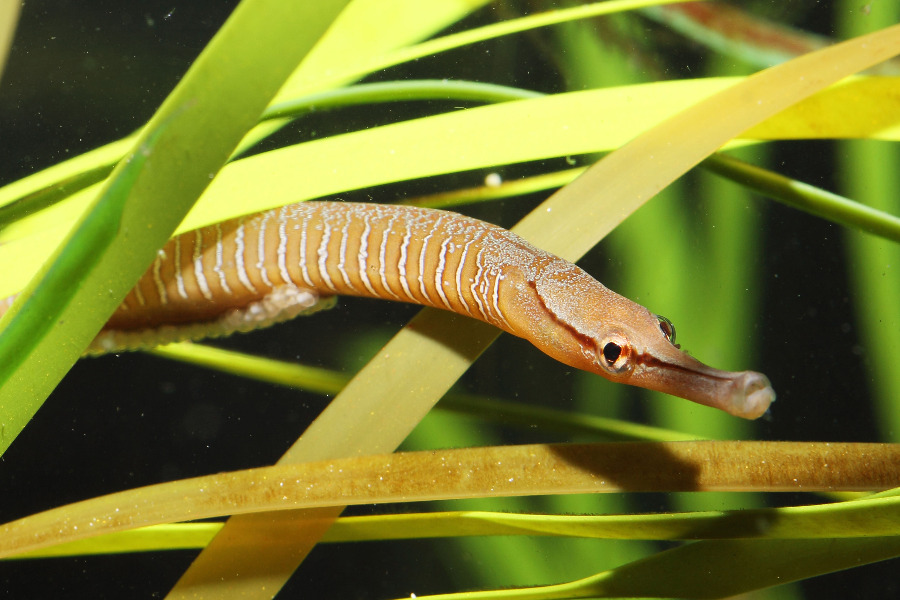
pixel 493 180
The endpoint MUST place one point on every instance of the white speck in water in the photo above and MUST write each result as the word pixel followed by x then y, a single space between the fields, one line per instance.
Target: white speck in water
pixel 493 180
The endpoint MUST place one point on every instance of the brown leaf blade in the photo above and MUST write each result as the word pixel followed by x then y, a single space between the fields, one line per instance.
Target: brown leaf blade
pixel 461 473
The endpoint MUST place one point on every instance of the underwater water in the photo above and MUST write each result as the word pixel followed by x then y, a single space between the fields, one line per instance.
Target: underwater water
pixel 749 283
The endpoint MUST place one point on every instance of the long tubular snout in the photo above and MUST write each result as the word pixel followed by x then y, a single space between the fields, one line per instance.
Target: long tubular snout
pixel 746 394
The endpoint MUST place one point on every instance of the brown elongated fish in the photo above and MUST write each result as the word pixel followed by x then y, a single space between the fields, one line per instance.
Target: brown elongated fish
pixel 253 271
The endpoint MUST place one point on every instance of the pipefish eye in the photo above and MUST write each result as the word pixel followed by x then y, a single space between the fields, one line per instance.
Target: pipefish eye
pixel 611 352
pixel 667 328
pixel 616 353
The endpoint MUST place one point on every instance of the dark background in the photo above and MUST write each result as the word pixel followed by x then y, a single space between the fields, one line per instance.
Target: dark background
pixel 82 75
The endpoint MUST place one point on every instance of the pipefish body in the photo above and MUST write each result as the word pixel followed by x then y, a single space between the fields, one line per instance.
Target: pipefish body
pixel 256 270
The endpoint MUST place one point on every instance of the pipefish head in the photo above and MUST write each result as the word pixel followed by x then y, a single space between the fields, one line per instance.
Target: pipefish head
pixel 582 323
pixel 637 347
